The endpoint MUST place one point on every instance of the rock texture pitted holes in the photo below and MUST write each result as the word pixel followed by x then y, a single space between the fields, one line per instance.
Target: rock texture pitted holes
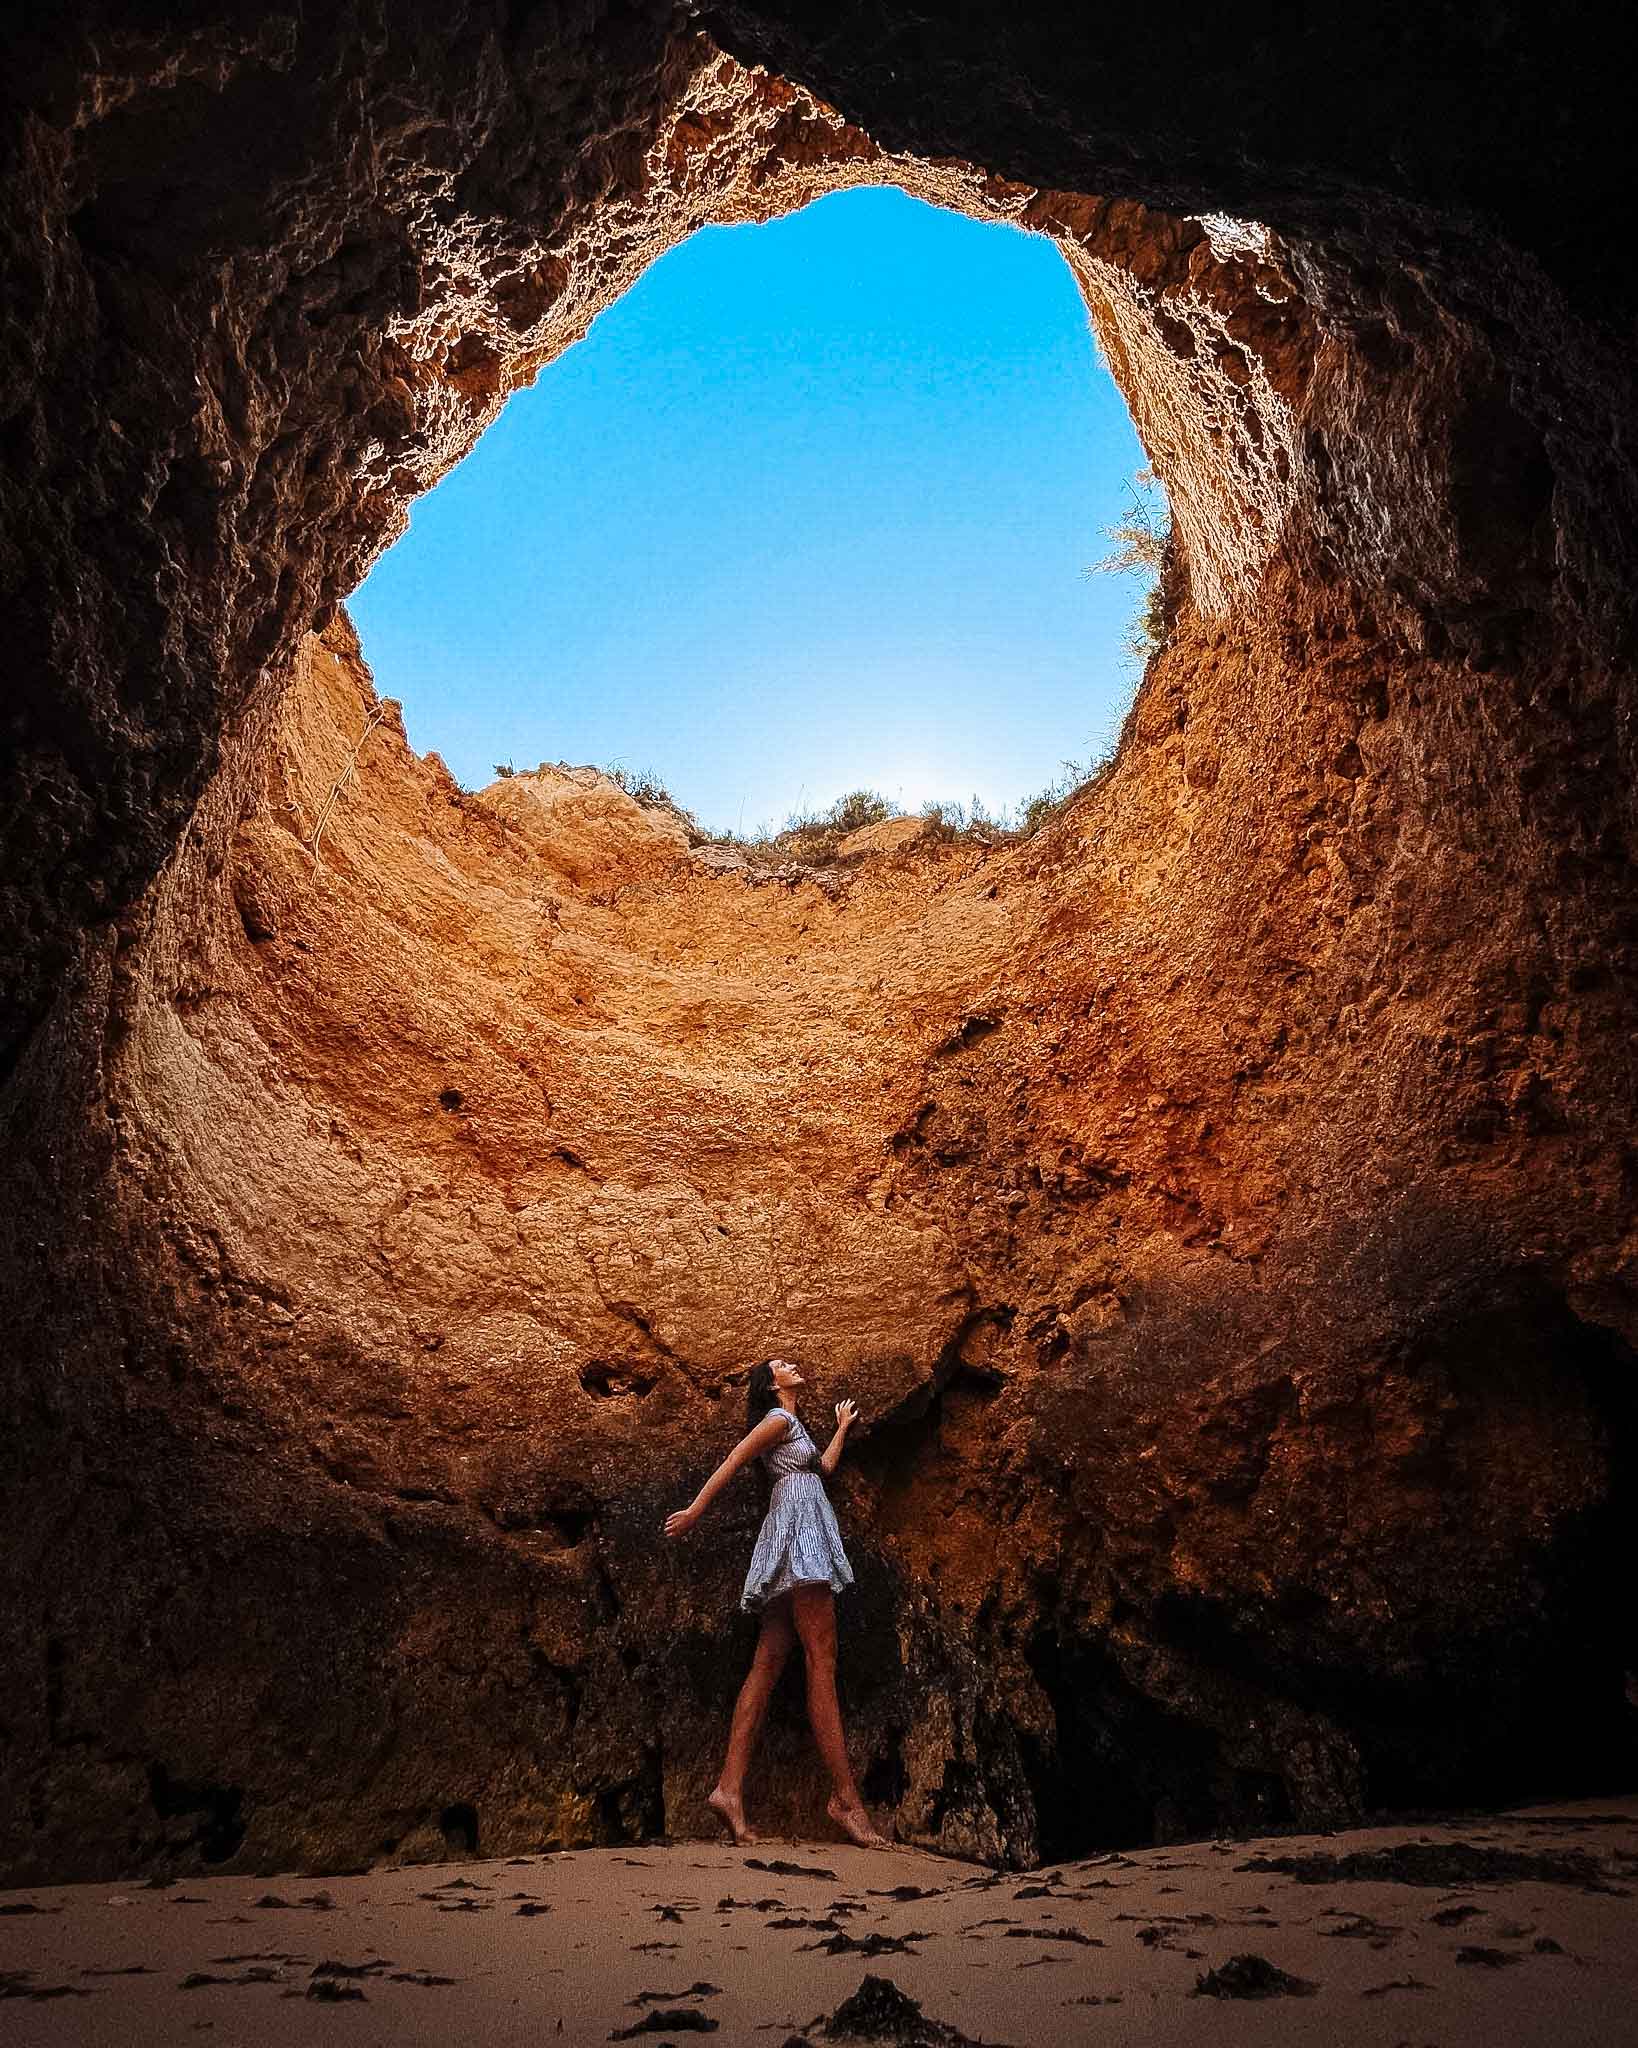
pixel 605 1381
pixel 976 1025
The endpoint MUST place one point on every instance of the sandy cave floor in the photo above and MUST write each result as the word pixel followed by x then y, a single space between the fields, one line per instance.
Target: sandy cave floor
pixel 576 1947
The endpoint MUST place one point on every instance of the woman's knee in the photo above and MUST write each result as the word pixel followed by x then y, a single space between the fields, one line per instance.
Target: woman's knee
pixel 816 1624
pixel 772 1651
pixel 820 1668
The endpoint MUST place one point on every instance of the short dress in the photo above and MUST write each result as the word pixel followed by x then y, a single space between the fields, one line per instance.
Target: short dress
pixel 799 1543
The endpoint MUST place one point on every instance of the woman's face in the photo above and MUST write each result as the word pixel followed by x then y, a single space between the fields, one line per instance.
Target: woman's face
pixel 785 1374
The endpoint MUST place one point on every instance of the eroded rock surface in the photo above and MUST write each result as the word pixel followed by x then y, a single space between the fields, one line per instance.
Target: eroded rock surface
pixel 1222 1206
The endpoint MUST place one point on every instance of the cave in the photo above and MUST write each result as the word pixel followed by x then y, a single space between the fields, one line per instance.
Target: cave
pixel 1221 1205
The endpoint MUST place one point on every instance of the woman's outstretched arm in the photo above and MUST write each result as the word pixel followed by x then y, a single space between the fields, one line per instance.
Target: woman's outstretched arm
pixel 831 1456
pixel 767 1433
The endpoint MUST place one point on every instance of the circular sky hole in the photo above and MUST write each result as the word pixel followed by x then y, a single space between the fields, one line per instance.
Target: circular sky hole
pixel 809 510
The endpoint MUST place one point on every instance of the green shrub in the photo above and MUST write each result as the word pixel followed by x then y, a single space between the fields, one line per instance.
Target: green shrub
pixel 973 820
pixel 1035 811
pixel 643 786
pixel 860 807
pixel 1140 541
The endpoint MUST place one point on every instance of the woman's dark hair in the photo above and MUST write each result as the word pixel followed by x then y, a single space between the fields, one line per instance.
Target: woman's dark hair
pixel 760 1393
pixel 761 1397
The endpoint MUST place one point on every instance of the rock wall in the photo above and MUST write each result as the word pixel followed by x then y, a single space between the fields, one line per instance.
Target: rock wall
pixel 1222 1206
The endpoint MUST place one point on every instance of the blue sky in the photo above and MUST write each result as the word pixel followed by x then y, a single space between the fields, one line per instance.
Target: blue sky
pixel 808 510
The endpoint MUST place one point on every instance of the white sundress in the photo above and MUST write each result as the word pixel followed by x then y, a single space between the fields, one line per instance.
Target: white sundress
pixel 799 1543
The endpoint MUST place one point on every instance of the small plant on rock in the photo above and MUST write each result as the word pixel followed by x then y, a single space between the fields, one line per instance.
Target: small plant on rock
pixel 1140 542
pixel 860 807
pixel 973 821
pixel 643 786
pixel 1035 811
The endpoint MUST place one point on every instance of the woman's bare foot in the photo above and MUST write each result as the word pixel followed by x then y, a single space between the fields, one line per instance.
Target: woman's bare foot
pixel 855 1823
pixel 731 1812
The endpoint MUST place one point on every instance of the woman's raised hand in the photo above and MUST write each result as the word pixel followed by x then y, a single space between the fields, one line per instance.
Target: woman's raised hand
pixel 846 1414
pixel 681 1522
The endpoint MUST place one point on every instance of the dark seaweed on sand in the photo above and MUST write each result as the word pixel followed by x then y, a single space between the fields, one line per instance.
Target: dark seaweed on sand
pixel 880 2011
pixel 1359 1927
pixel 16 1984
pixel 1250 1976
pixel 1447 1866
pixel 257 1973
pixel 871 1944
pixel 683 2019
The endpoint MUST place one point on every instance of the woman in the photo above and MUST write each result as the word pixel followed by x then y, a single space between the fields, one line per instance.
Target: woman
pixel 797 1568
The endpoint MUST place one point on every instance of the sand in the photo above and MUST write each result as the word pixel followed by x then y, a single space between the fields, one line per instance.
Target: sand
pixel 1518 1928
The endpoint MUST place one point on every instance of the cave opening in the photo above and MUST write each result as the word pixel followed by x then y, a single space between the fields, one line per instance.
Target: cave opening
pixel 812 509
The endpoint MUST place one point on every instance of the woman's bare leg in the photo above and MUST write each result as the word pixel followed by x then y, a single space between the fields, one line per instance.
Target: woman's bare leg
pixel 773 1646
pixel 815 1615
